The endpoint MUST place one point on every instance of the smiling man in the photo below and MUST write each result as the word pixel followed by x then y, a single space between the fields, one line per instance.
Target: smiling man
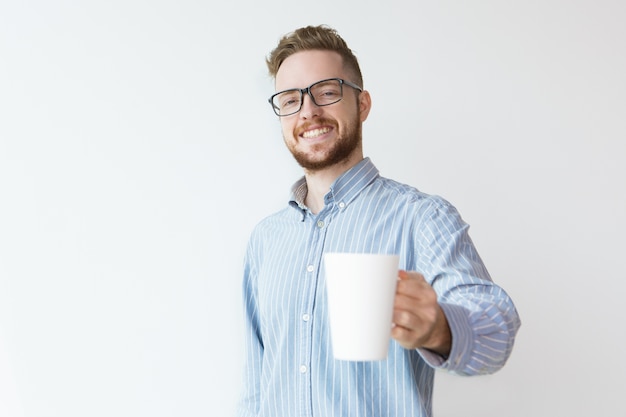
pixel 448 313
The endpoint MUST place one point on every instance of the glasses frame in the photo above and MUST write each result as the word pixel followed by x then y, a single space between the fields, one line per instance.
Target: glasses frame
pixel 307 90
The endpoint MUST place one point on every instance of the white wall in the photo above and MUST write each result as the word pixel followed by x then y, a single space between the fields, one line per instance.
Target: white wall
pixel 137 151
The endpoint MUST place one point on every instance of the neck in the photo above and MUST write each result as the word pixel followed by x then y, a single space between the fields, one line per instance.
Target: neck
pixel 318 182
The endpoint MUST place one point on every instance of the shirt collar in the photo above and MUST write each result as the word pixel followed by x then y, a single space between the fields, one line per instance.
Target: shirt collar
pixel 343 190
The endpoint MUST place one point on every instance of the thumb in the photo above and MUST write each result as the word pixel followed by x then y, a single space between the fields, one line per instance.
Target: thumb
pixel 402 274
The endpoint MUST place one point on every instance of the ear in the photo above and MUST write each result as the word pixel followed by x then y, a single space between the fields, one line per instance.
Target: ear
pixel 365 104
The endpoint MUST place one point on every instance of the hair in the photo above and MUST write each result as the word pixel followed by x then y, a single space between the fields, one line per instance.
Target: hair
pixel 309 38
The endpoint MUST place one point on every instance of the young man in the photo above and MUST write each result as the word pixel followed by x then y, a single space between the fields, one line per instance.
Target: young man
pixel 448 314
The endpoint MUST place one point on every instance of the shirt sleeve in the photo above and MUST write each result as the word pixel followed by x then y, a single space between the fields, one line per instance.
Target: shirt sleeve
pixel 482 317
pixel 250 394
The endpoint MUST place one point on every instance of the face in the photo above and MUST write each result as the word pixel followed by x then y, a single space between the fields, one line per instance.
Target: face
pixel 327 136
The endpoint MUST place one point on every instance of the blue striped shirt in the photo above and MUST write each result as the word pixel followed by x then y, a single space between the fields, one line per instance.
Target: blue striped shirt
pixel 290 370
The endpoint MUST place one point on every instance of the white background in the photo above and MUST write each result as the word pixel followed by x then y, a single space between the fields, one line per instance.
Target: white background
pixel 137 151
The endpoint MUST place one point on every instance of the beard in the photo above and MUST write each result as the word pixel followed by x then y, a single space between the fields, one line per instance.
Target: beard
pixel 316 158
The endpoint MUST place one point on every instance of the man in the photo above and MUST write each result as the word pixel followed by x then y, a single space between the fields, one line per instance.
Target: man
pixel 448 314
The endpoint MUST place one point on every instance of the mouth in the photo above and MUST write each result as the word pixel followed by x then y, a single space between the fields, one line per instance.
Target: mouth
pixel 315 133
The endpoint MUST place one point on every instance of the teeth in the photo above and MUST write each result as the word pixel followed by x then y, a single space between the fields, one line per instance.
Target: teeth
pixel 315 132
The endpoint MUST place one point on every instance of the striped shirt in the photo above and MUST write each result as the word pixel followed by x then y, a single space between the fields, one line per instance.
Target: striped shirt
pixel 289 368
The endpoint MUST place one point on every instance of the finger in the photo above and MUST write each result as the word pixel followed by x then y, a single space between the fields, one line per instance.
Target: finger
pixel 405 336
pixel 415 319
pixel 409 275
pixel 406 302
pixel 414 287
pixel 402 334
pixel 405 319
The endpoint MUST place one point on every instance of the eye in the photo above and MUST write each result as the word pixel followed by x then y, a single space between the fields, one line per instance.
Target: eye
pixel 330 93
pixel 327 92
pixel 288 100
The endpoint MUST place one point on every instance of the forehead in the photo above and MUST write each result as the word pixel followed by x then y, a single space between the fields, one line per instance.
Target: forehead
pixel 306 67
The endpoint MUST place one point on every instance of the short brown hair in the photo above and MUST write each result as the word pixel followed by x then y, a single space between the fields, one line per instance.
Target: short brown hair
pixel 309 38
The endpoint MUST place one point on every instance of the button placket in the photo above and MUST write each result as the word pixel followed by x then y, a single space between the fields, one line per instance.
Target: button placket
pixel 318 228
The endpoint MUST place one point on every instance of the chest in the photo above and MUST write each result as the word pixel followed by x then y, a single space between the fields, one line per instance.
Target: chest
pixel 291 279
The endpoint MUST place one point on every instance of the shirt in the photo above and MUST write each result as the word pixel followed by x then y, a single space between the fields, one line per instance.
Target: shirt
pixel 290 370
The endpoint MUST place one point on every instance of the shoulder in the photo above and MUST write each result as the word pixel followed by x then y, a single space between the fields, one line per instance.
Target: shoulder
pixel 412 196
pixel 417 209
pixel 274 220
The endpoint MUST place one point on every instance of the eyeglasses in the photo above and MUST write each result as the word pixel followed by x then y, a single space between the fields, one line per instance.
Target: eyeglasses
pixel 322 93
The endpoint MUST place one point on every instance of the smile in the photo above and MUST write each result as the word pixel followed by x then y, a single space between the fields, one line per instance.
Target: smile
pixel 313 133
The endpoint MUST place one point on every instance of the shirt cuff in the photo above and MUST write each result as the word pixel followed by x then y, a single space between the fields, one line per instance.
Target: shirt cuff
pixel 462 340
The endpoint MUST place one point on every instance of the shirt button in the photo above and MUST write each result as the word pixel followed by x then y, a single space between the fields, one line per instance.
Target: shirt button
pixel 320 224
pixel 310 268
pixel 303 369
pixel 342 204
pixel 306 317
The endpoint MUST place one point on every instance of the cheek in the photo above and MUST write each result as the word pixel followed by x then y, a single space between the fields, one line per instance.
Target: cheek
pixel 287 130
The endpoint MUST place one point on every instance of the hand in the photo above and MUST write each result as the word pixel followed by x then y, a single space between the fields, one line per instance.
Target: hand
pixel 419 321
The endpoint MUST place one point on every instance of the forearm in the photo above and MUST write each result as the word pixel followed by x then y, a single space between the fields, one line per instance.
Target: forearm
pixel 248 405
pixel 250 391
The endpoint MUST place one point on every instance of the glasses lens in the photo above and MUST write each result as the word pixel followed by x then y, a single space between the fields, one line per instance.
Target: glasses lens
pixel 326 92
pixel 287 102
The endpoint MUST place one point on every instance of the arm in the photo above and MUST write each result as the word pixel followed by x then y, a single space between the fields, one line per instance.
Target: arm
pixel 250 395
pixel 457 317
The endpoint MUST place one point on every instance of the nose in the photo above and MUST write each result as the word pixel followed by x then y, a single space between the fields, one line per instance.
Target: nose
pixel 309 108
